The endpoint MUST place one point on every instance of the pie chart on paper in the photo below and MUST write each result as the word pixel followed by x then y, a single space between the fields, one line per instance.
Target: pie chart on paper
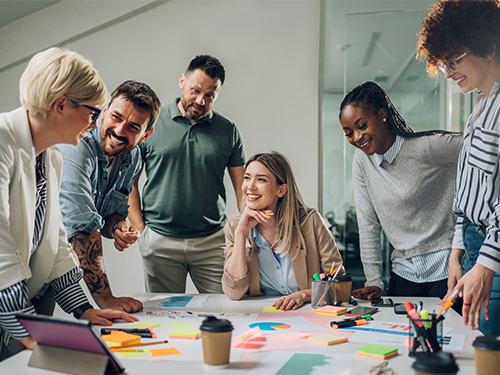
pixel 270 326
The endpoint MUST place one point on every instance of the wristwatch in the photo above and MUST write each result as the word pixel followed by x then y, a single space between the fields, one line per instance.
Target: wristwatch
pixel 80 310
pixel 114 228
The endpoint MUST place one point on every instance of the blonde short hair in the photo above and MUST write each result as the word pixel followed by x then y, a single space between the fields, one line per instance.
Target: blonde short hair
pixel 56 72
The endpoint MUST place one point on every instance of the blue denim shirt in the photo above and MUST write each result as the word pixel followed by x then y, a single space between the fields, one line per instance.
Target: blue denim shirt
pixel 86 197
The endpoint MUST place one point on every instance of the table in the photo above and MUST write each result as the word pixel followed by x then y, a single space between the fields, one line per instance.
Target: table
pixel 401 364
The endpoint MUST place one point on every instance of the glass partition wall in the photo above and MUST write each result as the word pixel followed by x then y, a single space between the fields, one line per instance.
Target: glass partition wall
pixel 379 46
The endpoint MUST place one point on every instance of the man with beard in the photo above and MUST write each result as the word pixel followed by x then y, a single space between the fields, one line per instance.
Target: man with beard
pixel 97 179
pixel 184 199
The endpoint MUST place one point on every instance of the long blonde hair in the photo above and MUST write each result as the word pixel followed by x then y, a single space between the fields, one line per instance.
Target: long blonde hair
pixel 291 212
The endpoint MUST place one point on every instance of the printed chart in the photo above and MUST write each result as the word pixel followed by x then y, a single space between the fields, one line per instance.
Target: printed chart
pixel 270 326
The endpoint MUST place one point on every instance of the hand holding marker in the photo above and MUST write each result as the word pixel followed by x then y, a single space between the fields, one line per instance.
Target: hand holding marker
pixel 448 304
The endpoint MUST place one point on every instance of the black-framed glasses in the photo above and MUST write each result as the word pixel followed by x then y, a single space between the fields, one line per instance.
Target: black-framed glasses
pixel 451 64
pixel 96 111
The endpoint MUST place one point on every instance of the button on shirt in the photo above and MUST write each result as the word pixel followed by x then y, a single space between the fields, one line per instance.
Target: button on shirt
pixel 89 192
pixel 275 272
pixel 423 268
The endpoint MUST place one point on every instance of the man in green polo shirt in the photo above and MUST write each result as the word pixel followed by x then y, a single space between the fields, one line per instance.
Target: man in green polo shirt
pixel 184 198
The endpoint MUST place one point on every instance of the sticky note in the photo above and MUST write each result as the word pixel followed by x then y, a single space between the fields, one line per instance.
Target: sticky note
pixel 271 309
pixel 331 310
pixel 121 338
pixel 144 325
pixel 379 351
pixel 144 353
pixel 185 333
pixel 167 351
pixel 327 339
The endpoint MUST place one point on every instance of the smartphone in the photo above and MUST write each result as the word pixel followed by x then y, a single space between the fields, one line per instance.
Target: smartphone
pixel 360 311
pixel 399 308
pixel 383 302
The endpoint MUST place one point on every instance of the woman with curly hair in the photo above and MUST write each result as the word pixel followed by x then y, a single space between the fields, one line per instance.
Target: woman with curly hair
pixel 277 244
pixel 460 39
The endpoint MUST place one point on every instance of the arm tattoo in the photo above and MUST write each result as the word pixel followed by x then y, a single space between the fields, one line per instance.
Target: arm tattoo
pixel 88 248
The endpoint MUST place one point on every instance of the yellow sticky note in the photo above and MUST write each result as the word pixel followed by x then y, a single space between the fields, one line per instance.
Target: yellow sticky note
pixel 144 353
pixel 271 309
pixel 178 325
pixel 185 333
pixel 160 352
pixel 327 339
pixel 144 325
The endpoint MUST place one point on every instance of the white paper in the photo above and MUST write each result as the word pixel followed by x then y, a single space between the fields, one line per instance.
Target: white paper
pixel 176 302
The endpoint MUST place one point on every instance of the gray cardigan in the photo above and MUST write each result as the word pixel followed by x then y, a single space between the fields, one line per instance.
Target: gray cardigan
pixel 410 200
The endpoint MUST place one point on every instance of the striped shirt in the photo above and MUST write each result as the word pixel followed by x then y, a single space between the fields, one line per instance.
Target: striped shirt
pixel 68 292
pixel 477 187
pixel 424 268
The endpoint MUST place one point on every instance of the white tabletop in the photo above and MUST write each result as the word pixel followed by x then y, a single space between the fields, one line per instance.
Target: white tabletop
pixel 401 364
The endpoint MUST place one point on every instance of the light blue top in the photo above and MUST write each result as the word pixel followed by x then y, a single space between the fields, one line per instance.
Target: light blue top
pixel 423 268
pixel 86 197
pixel 275 272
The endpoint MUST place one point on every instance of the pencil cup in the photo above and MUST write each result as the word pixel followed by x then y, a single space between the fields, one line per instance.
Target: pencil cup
pixel 343 285
pixel 425 336
pixel 322 293
pixel 216 341
pixel 487 354
pixel 436 363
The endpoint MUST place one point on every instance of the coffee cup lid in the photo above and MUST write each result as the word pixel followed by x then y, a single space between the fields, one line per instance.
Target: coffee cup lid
pixel 212 324
pixel 488 342
pixel 436 363
pixel 343 278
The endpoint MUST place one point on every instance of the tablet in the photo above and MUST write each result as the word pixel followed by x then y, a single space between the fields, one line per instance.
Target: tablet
pixel 69 334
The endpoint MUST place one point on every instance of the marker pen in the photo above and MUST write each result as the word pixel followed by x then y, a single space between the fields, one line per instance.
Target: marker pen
pixel 351 323
pixel 107 331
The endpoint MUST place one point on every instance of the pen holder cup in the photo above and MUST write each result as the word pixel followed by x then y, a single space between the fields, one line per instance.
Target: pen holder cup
pixel 322 293
pixel 425 336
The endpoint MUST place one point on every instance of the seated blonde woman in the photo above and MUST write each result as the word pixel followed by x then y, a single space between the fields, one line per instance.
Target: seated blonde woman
pixel 277 244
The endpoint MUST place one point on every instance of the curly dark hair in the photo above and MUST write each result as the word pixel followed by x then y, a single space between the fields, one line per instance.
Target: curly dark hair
pixel 372 96
pixel 454 26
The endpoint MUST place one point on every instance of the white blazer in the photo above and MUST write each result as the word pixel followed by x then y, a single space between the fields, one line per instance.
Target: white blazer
pixel 53 257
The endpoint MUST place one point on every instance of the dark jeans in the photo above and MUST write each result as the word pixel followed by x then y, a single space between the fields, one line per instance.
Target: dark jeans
pixel 402 287
pixel 44 305
pixel 473 236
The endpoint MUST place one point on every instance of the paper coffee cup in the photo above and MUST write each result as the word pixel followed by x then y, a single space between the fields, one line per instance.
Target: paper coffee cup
pixel 343 286
pixel 216 340
pixel 440 363
pixel 487 355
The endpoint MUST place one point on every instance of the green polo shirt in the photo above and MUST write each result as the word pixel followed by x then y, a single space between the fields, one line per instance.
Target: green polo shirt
pixel 184 195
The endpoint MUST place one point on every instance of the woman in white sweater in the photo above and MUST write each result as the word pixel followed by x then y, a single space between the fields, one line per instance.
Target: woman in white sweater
pixel 403 185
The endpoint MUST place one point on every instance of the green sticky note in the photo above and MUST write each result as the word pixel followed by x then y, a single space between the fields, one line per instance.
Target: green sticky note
pixel 379 351
pixel 271 309
pixel 187 333
pixel 144 353
pixel 178 325
pixel 144 325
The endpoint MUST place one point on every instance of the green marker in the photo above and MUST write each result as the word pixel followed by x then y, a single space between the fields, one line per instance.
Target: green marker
pixel 316 277
pixel 425 316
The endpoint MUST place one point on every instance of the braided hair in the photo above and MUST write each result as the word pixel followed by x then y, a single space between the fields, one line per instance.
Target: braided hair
pixel 372 95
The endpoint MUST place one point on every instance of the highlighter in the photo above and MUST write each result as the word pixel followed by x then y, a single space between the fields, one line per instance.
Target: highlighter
pixel 448 303
pixel 425 316
pixel 349 323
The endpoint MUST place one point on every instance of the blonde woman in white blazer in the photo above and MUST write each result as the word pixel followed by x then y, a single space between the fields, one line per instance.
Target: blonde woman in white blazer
pixel 61 95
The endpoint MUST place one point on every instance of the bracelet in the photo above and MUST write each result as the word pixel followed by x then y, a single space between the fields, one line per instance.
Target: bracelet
pixel 114 228
pixel 80 310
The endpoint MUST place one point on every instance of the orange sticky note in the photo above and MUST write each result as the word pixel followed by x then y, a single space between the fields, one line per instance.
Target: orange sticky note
pixel 121 338
pixel 167 351
pixel 331 310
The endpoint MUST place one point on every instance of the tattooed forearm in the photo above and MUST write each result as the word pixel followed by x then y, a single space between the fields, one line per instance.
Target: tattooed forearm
pixel 88 248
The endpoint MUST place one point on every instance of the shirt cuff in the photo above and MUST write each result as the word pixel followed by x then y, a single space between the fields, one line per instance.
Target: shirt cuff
pixel 68 292
pixel 9 322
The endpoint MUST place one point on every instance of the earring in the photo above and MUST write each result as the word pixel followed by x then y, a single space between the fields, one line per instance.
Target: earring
pixel 384 119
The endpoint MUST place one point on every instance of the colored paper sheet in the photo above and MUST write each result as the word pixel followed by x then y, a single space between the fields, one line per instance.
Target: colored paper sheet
pixel 185 333
pixel 121 338
pixel 311 315
pixel 161 352
pixel 178 325
pixel 246 336
pixel 182 301
pixel 144 325
pixel 144 353
pixel 327 339
pixel 293 335
pixel 271 309
pixel 378 351
pixel 290 363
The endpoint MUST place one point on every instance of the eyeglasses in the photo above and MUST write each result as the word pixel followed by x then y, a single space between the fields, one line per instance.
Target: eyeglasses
pixel 96 111
pixel 451 64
